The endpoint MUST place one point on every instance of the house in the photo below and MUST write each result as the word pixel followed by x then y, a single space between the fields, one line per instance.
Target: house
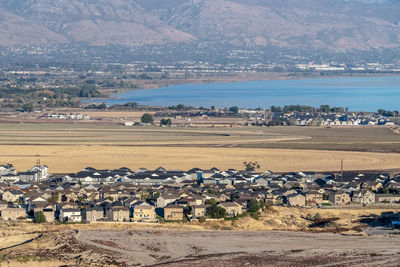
pixel 166 199
pixel 363 197
pixel 339 198
pixel 13 214
pixel 314 198
pixel 12 195
pixel 144 212
pixel 232 208
pixel 93 214
pixel 195 200
pixel 118 213
pixel 387 198
pixel 70 215
pixel 29 176
pixel 42 170
pixel 129 202
pixel 260 181
pixel 9 178
pixel 40 206
pixel 7 169
pixel 296 200
pixel 48 214
pixel 199 211
pixel 173 213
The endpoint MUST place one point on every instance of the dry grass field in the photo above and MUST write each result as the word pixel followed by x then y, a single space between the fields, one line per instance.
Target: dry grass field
pixel 69 148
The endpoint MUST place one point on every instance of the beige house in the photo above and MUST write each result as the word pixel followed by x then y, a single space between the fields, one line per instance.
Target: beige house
pixel 199 211
pixel 144 212
pixel 363 197
pixel 387 198
pixel 164 200
pixel 93 214
pixel 173 213
pixel 12 195
pixel 118 213
pixel 339 198
pixel 12 214
pixel 48 214
pixel 232 208
pixel 296 200
pixel 314 198
pixel 374 185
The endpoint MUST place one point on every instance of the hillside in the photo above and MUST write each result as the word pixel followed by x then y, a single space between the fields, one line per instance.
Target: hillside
pixel 17 30
pixel 307 23
pixel 339 24
pixel 98 22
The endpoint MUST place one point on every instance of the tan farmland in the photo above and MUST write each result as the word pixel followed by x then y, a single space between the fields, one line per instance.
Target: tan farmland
pixel 69 148
pixel 62 159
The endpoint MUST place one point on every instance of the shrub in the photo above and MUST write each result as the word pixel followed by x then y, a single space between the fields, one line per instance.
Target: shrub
pixel 317 217
pixel 215 212
pixel 255 216
pixel 39 217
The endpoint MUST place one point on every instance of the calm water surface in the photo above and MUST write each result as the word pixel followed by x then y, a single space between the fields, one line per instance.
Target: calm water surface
pixel 356 93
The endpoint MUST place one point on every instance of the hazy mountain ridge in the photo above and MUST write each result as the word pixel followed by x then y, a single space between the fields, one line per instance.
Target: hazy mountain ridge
pixel 98 22
pixel 18 30
pixel 333 24
pixel 314 23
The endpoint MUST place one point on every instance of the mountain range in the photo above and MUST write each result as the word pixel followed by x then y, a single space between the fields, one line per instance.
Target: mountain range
pixel 327 24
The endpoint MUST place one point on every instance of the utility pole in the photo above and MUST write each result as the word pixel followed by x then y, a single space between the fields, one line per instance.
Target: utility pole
pixel 341 170
pixel 38 160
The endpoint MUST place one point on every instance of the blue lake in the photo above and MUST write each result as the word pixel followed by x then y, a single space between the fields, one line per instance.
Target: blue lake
pixel 356 93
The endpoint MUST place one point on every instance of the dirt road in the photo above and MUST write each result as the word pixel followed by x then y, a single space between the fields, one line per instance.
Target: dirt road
pixel 205 248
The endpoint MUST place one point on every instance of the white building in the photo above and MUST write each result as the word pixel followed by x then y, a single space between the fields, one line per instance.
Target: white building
pixel 70 215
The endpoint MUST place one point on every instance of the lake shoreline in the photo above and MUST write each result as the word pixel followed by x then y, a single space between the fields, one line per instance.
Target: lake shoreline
pixel 362 93
pixel 261 77
pixel 248 77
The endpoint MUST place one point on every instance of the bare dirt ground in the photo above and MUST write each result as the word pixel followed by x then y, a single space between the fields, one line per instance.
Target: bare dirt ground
pixel 281 237
pixel 223 248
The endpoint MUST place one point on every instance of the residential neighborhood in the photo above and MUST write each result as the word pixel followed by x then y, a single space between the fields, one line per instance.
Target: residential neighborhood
pixel 152 196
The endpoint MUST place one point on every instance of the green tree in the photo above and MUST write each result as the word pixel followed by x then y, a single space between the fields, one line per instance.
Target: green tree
pixel 180 107
pixel 254 206
pixel 166 122
pixel 39 217
pixel 234 110
pixel 147 118
pixel 28 107
pixel 215 212
pixel 251 165
pixel 324 108
pixel 53 198
pixel 102 106
pixel 234 196
pixel 211 201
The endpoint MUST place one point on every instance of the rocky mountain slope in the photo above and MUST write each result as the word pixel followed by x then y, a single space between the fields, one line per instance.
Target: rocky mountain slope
pixel 306 23
pixel 16 30
pixel 332 24
pixel 97 22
